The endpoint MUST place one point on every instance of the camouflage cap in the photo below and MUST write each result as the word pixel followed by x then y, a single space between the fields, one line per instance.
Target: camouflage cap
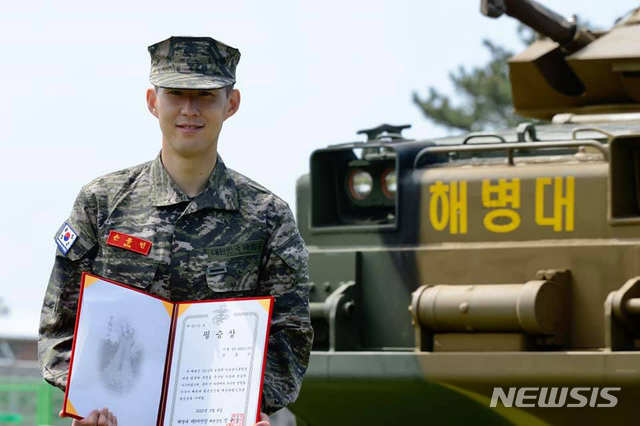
pixel 193 63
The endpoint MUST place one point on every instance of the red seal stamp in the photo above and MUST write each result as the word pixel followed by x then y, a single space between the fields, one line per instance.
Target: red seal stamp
pixel 236 420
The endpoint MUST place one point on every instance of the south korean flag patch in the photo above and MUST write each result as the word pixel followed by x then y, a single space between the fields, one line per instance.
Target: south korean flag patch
pixel 66 238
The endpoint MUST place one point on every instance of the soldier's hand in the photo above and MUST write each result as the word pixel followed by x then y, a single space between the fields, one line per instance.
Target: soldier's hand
pixel 103 417
pixel 264 420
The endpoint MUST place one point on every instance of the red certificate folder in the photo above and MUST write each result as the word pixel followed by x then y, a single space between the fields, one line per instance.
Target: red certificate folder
pixel 152 361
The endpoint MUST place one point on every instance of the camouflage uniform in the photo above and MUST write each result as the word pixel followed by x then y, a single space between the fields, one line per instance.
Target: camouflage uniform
pixel 235 239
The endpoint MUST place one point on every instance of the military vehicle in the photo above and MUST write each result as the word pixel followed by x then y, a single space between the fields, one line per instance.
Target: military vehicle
pixel 491 278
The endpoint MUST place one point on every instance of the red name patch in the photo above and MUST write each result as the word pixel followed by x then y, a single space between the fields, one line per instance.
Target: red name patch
pixel 129 242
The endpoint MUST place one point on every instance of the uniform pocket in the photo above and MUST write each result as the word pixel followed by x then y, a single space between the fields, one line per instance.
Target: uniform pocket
pixel 125 266
pixel 238 274
pixel 295 256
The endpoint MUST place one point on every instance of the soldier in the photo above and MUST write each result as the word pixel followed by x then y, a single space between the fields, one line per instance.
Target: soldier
pixel 213 233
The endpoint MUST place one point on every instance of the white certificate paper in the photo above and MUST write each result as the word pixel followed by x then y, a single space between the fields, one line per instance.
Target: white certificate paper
pixel 216 365
pixel 151 361
pixel 119 353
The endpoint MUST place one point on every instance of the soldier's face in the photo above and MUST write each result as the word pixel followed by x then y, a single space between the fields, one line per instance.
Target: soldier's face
pixel 191 120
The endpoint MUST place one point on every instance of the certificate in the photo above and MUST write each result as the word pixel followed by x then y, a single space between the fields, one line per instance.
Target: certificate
pixel 152 361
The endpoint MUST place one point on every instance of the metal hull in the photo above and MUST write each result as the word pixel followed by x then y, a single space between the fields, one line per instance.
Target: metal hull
pixel 456 388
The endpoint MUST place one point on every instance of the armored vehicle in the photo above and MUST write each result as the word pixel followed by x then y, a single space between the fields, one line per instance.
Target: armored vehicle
pixel 491 278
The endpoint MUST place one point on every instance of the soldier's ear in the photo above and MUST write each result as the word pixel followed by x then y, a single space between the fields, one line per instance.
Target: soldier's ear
pixel 152 100
pixel 233 103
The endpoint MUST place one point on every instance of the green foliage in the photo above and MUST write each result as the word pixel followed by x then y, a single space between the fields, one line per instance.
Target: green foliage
pixel 485 93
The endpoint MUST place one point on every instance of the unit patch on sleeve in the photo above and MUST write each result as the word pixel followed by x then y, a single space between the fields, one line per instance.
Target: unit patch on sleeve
pixel 129 242
pixel 66 238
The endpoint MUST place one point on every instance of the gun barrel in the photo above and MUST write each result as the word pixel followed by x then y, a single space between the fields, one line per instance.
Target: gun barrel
pixel 541 19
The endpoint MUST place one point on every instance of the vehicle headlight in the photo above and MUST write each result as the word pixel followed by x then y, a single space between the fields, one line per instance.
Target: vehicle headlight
pixel 389 183
pixel 360 184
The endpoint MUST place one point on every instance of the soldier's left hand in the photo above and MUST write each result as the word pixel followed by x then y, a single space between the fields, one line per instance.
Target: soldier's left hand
pixel 264 420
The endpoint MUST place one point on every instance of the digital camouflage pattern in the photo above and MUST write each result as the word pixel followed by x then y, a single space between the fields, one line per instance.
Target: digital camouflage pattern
pixel 235 239
pixel 193 63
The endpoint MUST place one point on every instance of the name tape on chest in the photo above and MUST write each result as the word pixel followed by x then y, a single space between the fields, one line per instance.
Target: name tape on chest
pixel 245 248
pixel 66 238
pixel 129 242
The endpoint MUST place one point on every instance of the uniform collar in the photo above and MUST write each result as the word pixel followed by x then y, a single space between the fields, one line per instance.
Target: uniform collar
pixel 220 192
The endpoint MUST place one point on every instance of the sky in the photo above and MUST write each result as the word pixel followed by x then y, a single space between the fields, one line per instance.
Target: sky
pixel 311 74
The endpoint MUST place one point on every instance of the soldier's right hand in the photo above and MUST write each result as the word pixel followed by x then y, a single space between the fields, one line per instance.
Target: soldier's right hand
pixel 103 417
